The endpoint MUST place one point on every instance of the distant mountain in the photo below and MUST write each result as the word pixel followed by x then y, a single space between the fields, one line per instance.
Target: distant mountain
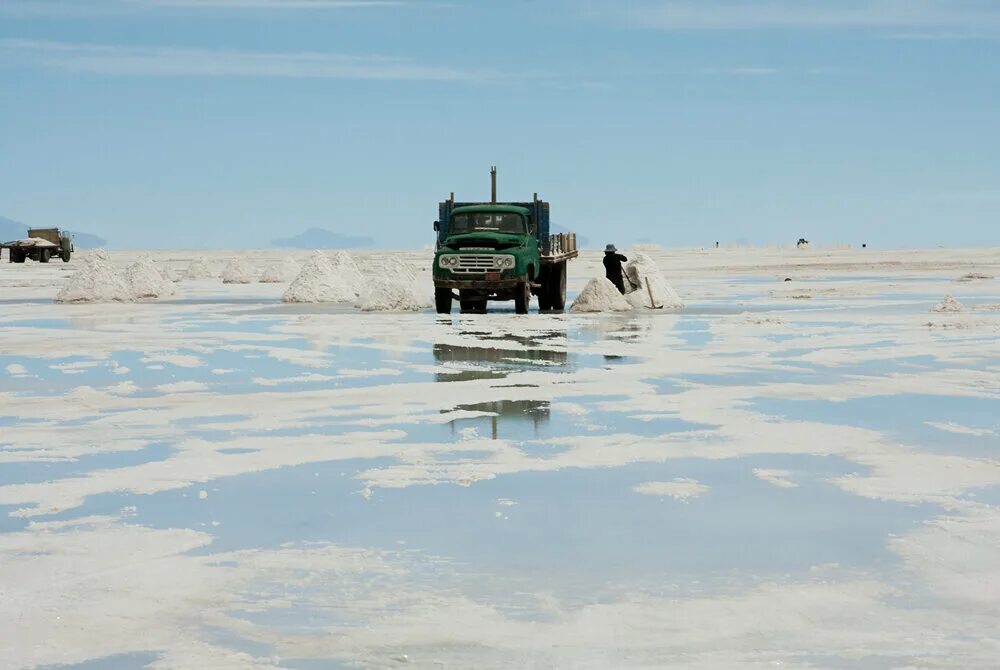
pixel 15 230
pixel 318 238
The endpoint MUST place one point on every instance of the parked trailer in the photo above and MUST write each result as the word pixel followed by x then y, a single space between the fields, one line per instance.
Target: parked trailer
pixel 41 245
pixel 499 251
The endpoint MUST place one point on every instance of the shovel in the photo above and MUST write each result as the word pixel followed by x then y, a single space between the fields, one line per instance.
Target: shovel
pixel 652 303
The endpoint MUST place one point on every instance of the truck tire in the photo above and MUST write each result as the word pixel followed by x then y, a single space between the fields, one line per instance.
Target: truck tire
pixel 44 255
pixel 556 287
pixel 16 256
pixel 442 300
pixel 544 303
pixel 65 256
pixel 522 298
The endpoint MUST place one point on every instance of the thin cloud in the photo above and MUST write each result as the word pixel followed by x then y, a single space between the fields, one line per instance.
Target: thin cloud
pixel 268 4
pixel 73 8
pixel 159 61
pixel 741 71
pixel 763 14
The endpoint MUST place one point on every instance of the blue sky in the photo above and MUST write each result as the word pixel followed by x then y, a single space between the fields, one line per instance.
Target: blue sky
pixel 232 122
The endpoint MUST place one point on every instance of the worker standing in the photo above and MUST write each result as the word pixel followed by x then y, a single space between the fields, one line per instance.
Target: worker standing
pixel 613 267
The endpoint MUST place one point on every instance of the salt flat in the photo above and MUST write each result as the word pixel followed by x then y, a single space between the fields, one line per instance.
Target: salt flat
pixel 797 474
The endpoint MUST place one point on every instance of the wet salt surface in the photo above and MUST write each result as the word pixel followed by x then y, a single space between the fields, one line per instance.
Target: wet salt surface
pixel 494 476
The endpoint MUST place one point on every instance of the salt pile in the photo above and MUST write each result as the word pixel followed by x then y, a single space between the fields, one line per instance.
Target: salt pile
pixel 324 281
pixel 283 271
pixel 392 294
pixel 949 304
pixel 600 295
pixel 238 271
pixel 35 242
pixel 974 276
pixel 345 268
pixel 650 288
pixel 146 281
pixel 97 281
pixel 390 266
pixel 201 268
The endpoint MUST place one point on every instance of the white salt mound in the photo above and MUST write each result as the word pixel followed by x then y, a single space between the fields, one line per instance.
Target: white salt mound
pixel 283 271
pixel 389 266
pixel 949 304
pixel 348 272
pixel 98 280
pixel 201 268
pixel 652 289
pixel 320 281
pixel 974 276
pixel 146 281
pixel 392 294
pixel 239 271
pixel 600 295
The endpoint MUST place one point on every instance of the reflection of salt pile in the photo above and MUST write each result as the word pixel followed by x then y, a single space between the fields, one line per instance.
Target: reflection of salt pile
pixel 949 304
pixel 324 279
pixel 201 268
pixel 280 272
pixel 146 281
pixel 97 281
pixel 600 295
pixel 651 289
pixel 238 271
pixel 392 294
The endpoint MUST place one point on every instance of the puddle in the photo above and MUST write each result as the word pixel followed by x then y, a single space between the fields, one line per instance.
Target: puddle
pixel 904 417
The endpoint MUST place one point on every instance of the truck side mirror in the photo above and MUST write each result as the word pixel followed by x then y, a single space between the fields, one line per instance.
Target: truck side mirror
pixel 437 225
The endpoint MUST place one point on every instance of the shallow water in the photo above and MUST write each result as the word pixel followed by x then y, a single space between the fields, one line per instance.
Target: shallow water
pixel 366 488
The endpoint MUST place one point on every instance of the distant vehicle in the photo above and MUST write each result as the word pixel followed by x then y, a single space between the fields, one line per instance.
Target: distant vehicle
pixel 41 245
pixel 499 251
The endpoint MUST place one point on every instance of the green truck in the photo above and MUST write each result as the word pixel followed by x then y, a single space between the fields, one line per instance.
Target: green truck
pixel 41 245
pixel 499 251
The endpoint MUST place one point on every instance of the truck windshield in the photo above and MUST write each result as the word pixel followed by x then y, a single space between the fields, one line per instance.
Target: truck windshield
pixel 492 222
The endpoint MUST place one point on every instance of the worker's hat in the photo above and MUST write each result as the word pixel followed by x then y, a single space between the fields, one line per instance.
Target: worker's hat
pixel 610 248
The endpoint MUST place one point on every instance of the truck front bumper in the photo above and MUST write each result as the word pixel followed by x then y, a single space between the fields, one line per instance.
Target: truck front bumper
pixel 481 284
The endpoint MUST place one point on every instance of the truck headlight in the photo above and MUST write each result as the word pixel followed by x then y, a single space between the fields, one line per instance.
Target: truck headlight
pixel 505 262
pixel 448 261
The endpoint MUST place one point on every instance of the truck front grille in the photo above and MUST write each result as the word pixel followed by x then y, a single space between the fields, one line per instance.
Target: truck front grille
pixel 475 264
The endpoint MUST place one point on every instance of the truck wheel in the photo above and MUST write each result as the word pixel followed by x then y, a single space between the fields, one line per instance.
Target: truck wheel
pixel 65 256
pixel 544 303
pixel 522 298
pixel 44 255
pixel 556 288
pixel 16 256
pixel 442 300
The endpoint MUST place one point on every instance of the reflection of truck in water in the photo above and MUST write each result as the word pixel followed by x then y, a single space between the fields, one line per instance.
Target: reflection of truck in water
pixel 499 251
pixel 41 245
pixel 514 418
